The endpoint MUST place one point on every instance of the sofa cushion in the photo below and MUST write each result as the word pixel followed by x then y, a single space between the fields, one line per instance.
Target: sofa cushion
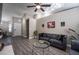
pixel 41 34
pixel 48 35
pixel 44 34
pixel 57 41
pixel 51 40
pixel 44 38
pixel 53 36
pixel 61 37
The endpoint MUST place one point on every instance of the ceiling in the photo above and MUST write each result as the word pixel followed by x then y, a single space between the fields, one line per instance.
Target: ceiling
pixel 19 9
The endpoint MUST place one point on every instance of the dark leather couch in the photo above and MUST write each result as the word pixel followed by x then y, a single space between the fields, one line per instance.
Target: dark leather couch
pixel 55 40
pixel 75 45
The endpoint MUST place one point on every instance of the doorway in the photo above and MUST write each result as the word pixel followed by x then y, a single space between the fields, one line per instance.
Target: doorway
pixel 17 24
pixel 27 28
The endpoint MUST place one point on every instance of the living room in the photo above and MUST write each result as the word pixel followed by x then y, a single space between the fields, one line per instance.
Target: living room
pixel 52 30
pixel 60 23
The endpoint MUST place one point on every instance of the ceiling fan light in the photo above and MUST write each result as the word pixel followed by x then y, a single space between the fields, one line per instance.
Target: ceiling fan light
pixel 38 6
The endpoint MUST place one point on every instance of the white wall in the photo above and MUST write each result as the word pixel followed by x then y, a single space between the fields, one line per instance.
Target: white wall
pixel 32 25
pixel 71 18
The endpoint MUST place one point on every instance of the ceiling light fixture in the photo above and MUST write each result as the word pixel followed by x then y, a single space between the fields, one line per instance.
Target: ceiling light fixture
pixel 38 6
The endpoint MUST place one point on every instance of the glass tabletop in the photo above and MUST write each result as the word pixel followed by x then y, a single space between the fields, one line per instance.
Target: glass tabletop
pixel 41 44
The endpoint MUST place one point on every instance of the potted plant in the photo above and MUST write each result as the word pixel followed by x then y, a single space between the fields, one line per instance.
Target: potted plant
pixel 35 34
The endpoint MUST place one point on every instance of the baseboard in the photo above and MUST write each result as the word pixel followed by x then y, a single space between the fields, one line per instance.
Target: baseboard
pixel 31 37
pixel 25 36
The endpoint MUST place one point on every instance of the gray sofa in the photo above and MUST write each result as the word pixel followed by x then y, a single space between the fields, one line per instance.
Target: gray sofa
pixel 74 47
pixel 56 40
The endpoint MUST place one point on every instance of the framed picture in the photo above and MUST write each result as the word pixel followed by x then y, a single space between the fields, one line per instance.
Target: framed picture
pixel 62 24
pixel 51 24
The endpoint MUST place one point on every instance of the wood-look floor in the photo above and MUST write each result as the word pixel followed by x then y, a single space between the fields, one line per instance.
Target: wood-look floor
pixel 22 46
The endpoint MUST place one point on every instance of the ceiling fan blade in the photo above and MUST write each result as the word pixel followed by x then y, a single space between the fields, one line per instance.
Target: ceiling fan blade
pixel 35 10
pixel 42 9
pixel 31 6
pixel 37 3
pixel 47 5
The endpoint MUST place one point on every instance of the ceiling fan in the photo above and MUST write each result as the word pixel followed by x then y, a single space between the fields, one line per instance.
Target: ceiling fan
pixel 39 6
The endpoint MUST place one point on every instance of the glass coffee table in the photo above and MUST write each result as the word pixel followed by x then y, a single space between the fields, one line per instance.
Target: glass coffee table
pixel 41 44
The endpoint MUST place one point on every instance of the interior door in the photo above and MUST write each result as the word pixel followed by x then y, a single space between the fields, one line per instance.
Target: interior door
pixel 17 24
pixel 17 29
